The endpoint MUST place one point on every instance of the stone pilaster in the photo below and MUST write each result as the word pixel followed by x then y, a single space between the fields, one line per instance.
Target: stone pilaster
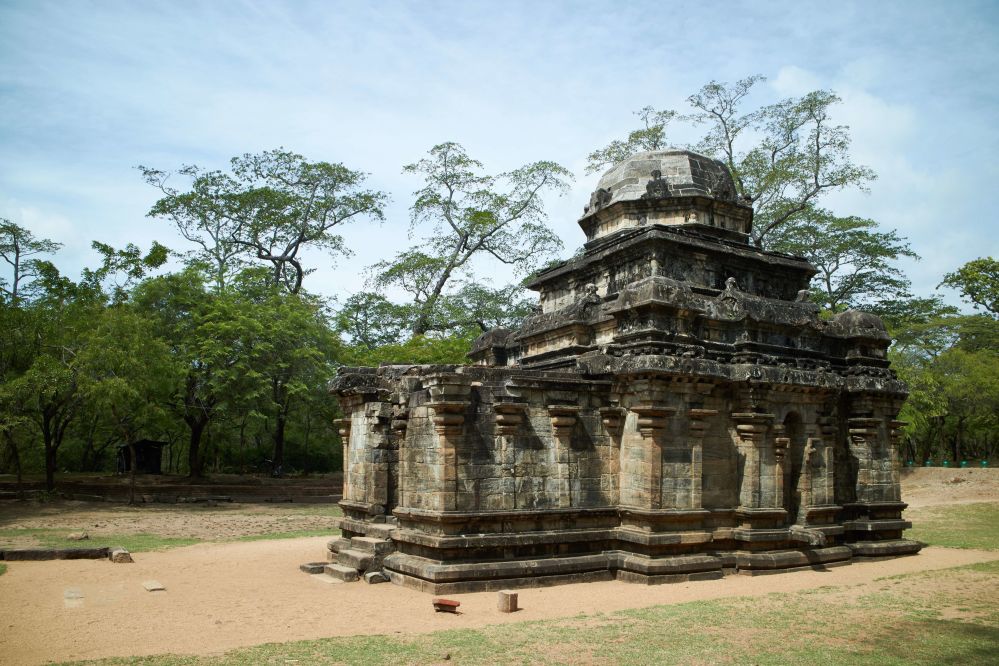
pixel 510 417
pixel 751 430
pixel 563 420
pixel 449 400
pixel 653 420
pixel 699 421
pixel 863 435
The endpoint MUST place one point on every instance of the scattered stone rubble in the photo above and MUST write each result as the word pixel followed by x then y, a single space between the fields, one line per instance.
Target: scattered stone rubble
pixel 675 410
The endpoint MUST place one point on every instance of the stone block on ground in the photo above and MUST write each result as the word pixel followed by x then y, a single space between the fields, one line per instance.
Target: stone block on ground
pixel 373 577
pixel 153 586
pixel 442 605
pixel 77 536
pixel 119 555
pixel 506 601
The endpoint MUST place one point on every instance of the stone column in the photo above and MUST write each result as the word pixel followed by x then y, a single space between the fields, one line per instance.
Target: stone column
pixel 863 433
pixel 612 419
pixel 751 429
pixel 781 482
pixel 653 420
pixel 448 401
pixel 509 416
pixel 696 426
pixel 563 419
pixel 827 430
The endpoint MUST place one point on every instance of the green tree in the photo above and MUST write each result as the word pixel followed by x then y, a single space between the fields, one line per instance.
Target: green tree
pixel 19 249
pixel 651 136
pixel 978 282
pixel 295 353
pixel 856 261
pixel 270 208
pixel 127 372
pixel 783 157
pixel 469 215
pixel 211 338
pixel 370 320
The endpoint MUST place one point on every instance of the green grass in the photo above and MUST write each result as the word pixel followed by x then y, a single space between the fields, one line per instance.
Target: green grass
pixel 957 525
pixel 135 543
pixel 935 617
pixel 3 569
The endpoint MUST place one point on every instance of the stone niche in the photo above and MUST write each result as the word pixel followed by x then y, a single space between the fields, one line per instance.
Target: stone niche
pixel 676 410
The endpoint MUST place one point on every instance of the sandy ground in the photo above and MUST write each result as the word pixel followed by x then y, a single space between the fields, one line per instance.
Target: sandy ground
pixel 199 521
pixel 220 596
pixel 928 486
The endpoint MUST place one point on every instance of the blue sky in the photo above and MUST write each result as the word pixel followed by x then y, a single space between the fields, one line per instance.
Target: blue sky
pixel 89 90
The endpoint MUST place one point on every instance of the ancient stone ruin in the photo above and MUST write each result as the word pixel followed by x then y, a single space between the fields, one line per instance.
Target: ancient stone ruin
pixel 675 410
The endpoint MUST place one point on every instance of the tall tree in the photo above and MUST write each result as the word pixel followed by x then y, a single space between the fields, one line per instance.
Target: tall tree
pixel 783 157
pixel 469 215
pixel 19 249
pixel 295 352
pixel 856 261
pixel 271 207
pixel 651 136
pixel 978 282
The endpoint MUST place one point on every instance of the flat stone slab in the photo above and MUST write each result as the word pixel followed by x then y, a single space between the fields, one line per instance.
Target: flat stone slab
pixel 72 597
pixel 313 567
pixel 326 578
pixel 35 554
pixel 153 586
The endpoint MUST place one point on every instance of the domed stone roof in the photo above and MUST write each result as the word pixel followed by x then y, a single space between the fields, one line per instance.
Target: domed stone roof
pixel 659 174
pixel 859 319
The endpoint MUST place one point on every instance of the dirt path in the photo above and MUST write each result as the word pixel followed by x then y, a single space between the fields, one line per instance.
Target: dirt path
pixel 222 596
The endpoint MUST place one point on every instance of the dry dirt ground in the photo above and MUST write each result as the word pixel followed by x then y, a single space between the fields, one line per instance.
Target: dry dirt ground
pixel 224 595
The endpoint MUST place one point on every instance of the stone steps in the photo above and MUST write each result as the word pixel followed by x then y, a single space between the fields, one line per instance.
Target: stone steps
pixel 358 559
pixel 372 545
pixel 341 572
pixel 350 558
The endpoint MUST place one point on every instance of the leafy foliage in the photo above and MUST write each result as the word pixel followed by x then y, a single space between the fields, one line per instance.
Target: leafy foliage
pixel 783 156
pixel 469 215
pixel 978 282
pixel 269 208
pixel 651 136
pixel 854 259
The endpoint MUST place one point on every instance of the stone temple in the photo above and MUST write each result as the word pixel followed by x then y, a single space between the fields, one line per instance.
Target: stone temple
pixel 675 410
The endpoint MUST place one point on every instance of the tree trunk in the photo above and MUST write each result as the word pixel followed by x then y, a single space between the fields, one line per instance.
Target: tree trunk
pixel 50 466
pixel 131 480
pixel 278 459
pixel 194 460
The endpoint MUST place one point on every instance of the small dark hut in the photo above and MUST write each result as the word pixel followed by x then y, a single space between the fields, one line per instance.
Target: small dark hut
pixel 148 457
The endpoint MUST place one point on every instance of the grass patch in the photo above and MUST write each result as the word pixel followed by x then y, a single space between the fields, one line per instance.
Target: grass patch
pixel 957 526
pixel 3 569
pixel 136 543
pixel 926 618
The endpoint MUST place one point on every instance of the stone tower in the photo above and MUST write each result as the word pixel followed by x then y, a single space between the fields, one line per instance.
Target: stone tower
pixel 676 410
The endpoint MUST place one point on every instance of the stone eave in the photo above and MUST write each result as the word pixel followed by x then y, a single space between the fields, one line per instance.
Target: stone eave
pixel 621 241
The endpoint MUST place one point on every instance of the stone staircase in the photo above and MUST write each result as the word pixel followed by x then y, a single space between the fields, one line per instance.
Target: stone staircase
pixel 356 557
